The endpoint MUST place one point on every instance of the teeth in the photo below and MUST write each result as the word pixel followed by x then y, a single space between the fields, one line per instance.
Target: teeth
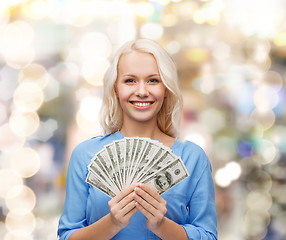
pixel 141 104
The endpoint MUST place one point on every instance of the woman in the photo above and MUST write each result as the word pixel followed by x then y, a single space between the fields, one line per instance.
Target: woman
pixel 141 98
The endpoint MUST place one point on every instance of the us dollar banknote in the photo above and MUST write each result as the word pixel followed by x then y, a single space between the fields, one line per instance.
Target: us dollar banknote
pixel 130 160
pixel 167 177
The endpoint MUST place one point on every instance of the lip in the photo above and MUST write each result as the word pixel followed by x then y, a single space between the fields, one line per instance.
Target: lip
pixel 141 105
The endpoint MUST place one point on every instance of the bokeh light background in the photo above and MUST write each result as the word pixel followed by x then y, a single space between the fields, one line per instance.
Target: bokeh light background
pixel 231 59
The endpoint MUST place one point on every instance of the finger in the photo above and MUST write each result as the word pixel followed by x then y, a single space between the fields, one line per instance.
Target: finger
pixel 128 216
pixel 132 211
pixel 151 191
pixel 124 202
pixel 123 194
pixel 144 206
pixel 146 213
pixel 158 203
pixel 128 208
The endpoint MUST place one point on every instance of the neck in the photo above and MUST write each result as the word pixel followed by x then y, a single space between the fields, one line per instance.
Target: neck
pixel 141 129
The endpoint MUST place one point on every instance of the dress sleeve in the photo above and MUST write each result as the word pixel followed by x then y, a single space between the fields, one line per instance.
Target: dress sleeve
pixel 73 216
pixel 202 210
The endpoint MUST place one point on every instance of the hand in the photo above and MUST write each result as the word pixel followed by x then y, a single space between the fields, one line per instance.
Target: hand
pixel 151 204
pixel 122 207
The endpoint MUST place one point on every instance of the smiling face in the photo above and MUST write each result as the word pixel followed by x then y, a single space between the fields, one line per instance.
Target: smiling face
pixel 139 87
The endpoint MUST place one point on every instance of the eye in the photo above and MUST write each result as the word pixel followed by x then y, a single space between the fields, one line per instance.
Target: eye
pixel 129 81
pixel 154 80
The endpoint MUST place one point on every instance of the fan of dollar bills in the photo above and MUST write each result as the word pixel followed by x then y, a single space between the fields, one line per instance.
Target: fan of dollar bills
pixel 130 160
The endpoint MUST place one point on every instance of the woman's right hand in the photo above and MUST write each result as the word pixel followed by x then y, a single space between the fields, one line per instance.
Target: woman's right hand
pixel 122 207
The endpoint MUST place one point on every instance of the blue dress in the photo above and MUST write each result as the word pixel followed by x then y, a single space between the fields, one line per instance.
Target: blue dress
pixel 190 203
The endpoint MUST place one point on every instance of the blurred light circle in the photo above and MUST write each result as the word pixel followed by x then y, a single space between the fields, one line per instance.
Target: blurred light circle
pixel 25 201
pixel 26 161
pixel 245 149
pixel 255 224
pixel 234 169
pixel 280 39
pixel 19 57
pixel 259 201
pixel 95 44
pixel 277 135
pixel 121 29
pixel 3 230
pixel 88 114
pixel 152 31
pixel 16 35
pixel 257 131
pixel 259 181
pixel 52 90
pixel 267 151
pixel 87 125
pixel 77 13
pixel 34 73
pixel 7 82
pixel 261 51
pixel 278 190
pixel 90 107
pixel 196 138
pixel 11 183
pixel 93 70
pixel 230 172
pixel 265 98
pixel 198 55
pixel 169 19
pixel 3 113
pixel 173 47
pixel 4 15
pixel 221 51
pixel 163 2
pixel 257 48
pixel 35 9
pixel 24 123
pixel 9 141
pixel 20 222
pixel 273 80
pixel 199 17
pixel 13 236
pixel 28 97
pixel 218 120
pixel 225 148
pixel 66 72
pixel 144 9
pixel 25 31
pixel 223 177
pixel 266 119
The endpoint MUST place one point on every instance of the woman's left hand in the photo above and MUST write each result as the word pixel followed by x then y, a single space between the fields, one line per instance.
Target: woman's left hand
pixel 150 204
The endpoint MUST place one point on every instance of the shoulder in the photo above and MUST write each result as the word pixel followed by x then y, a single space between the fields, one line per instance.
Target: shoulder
pixel 86 150
pixel 191 154
pixel 188 147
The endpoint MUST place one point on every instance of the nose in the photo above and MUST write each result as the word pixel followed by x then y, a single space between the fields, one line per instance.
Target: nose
pixel 142 90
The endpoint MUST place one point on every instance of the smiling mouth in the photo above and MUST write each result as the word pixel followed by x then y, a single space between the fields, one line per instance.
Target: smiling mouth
pixel 141 104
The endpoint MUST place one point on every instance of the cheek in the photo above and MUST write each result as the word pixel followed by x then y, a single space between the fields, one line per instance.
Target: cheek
pixel 161 93
pixel 122 94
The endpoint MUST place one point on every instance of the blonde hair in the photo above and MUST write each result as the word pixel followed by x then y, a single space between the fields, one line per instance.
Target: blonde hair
pixel 169 114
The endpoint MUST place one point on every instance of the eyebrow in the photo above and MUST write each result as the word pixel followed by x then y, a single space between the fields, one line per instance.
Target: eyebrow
pixel 132 75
